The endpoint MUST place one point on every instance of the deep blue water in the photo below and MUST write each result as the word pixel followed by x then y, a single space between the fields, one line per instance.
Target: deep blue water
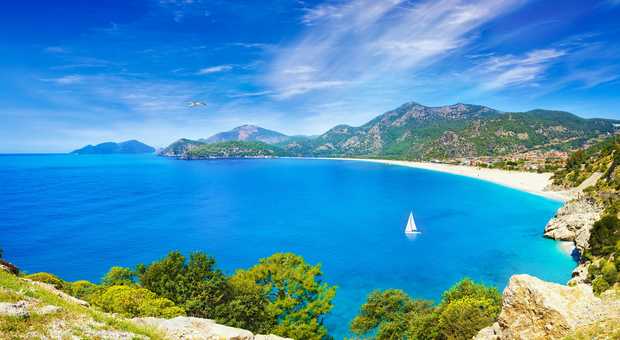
pixel 76 216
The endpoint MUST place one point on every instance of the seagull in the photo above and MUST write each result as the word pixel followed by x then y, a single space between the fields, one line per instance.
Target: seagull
pixel 195 103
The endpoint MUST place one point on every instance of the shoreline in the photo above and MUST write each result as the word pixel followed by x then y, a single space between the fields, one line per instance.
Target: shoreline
pixel 530 182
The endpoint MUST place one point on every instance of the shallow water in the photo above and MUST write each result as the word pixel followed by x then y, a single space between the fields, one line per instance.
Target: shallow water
pixel 76 216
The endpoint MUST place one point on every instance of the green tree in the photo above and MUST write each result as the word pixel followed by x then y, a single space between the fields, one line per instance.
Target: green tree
pixel 298 298
pixel 119 276
pixel 247 308
pixel 390 314
pixel 133 301
pixel 604 235
pixel 196 285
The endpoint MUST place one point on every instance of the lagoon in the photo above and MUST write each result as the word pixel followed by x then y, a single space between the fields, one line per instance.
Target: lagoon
pixel 76 216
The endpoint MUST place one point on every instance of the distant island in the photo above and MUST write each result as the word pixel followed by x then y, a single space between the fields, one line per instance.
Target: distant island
pixel 128 147
pixel 537 140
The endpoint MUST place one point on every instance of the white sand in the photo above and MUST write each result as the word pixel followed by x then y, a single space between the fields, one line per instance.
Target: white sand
pixel 525 181
pixel 566 247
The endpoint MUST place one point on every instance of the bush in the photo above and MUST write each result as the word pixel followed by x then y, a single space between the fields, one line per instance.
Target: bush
pixel 605 235
pixel 47 278
pixel 464 318
pixel 599 285
pixel 131 301
pixel 609 272
pixel 195 284
pixel 80 289
pixel 119 276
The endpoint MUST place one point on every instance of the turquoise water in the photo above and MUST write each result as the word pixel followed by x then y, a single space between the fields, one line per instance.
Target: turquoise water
pixel 78 215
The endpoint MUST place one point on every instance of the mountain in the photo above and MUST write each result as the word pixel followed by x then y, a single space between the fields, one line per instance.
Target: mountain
pixel 128 147
pixel 234 149
pixel 180 147
pixel 191 149
pixel 415 131
pixel 250 133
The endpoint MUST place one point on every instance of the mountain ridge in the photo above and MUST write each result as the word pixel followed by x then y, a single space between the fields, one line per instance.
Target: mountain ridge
pixel 417 132
pixel 128 147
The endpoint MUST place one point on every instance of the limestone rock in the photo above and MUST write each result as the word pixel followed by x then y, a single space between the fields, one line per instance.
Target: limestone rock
pixel 580 274
pixel 573 222
pixel 18 309
pixel 535 309
pixel 183 327
pixel 49 309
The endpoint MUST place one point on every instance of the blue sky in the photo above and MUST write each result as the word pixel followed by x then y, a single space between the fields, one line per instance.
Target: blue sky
pixel 80 72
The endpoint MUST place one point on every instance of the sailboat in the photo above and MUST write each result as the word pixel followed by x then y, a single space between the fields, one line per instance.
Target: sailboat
pixel 411 227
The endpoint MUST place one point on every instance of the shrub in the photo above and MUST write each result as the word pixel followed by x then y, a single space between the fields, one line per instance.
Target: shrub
pixel 599 285
pixel 119 276
pixel 195 284
pixel 609 272
pixel 132 301
pixel 80 289
pixel 47 278
pixel 465 317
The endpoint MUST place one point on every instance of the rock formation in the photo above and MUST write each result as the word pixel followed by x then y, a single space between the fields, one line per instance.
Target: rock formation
pixel 535 309
pixel 574 221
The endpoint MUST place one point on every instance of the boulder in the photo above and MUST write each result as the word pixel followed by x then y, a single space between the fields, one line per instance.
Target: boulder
pixel 183 327
pixel 535 309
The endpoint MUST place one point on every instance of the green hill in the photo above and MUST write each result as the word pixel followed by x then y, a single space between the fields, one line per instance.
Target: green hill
pixel 415 131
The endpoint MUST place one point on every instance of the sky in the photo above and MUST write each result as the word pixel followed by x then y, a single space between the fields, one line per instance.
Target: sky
pixel 84 72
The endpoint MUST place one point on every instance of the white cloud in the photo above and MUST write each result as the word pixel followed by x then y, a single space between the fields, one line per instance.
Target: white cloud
pixel 215 69
pixel 363 40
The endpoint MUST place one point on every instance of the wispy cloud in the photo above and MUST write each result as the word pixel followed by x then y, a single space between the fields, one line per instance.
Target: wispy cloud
pixel 66 80
pixel 368 39
pixel 505 71
pixel 55 49
pixel 215 69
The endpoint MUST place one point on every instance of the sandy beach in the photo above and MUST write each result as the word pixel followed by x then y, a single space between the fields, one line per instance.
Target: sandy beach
pixel 525 181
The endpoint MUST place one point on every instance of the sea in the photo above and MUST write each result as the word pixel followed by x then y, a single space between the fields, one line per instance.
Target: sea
pixel 78 215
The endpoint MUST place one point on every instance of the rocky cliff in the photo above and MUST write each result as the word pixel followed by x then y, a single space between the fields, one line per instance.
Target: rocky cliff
pixel 573 222
pixel 535 309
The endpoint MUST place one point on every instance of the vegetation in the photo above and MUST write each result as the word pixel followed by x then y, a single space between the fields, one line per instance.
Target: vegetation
pixel 297 296
pixel 133 301
pixel 464 309
pixel 77 318
pixel 234 149
pixel 604 242
pixel 47 278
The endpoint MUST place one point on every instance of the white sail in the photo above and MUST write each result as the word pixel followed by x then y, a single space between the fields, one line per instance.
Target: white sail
pixel 411 227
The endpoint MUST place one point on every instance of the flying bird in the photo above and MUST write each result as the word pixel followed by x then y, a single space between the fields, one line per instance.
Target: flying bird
pixel 195 103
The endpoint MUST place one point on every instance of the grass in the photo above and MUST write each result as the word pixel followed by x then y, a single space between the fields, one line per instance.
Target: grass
pixel 13 289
